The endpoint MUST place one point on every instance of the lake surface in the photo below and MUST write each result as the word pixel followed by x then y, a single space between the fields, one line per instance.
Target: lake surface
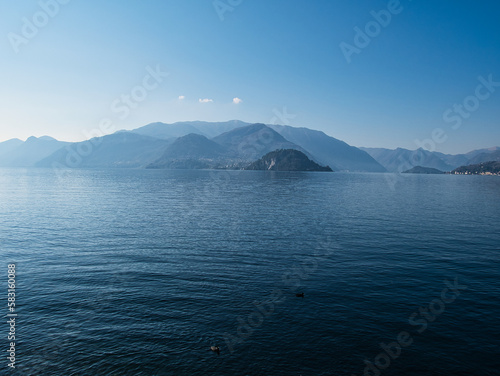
pixel 139 272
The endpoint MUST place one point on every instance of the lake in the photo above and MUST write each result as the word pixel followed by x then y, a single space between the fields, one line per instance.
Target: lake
pixel 139 272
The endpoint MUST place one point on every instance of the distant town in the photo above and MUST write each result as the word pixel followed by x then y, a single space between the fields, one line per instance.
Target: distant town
pixel 486 168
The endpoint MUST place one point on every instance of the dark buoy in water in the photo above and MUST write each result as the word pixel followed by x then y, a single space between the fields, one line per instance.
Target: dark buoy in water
pixel 301 295
pixel 215 349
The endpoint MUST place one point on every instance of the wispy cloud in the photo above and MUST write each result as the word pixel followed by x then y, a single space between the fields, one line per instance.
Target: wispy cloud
pixel 237 100
pixel 181 97
pixel 206 100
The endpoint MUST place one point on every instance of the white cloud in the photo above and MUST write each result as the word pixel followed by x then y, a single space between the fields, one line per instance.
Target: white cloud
pixel 237 100
pixel 181 97
pixel 206 100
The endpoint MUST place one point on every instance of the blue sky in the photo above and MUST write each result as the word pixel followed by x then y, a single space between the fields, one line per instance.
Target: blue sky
pixel 273 55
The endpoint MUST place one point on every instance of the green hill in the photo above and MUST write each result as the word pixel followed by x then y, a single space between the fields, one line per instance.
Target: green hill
pixel 423 170
pixel 286 160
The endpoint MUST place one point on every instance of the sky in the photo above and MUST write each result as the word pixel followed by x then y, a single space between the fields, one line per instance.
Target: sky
pixel 371 73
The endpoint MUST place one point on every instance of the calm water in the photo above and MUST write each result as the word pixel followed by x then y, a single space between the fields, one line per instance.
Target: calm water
pixel 139 272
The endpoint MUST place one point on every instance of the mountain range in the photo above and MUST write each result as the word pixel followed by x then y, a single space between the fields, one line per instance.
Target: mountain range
pixel 399 160
pixel 232 144
pixel 16 153
pixel 121 149
pixel 249 142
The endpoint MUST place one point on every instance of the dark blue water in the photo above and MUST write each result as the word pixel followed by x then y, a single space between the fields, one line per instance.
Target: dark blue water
pixel 139 272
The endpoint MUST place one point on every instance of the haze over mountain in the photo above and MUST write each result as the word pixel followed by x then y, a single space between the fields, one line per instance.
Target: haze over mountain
pixel 493 156
pixel 251 142
pixel 192 151
pixel 179 129
pixel 16 153
pixel 452 160
pixel 118 150
pixel 9 145
pixel 400 160
pixel 231 144
pixel 474 153
pixel 232 149
pixel 330 151
pixel 325 149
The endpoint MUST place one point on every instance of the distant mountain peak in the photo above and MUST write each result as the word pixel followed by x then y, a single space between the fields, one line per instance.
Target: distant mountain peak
pixel 192 151
pixel 179 129
pixel 252 141
pixel 28 153
pixel 42 138
pixel 47 138
pixel 329 150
